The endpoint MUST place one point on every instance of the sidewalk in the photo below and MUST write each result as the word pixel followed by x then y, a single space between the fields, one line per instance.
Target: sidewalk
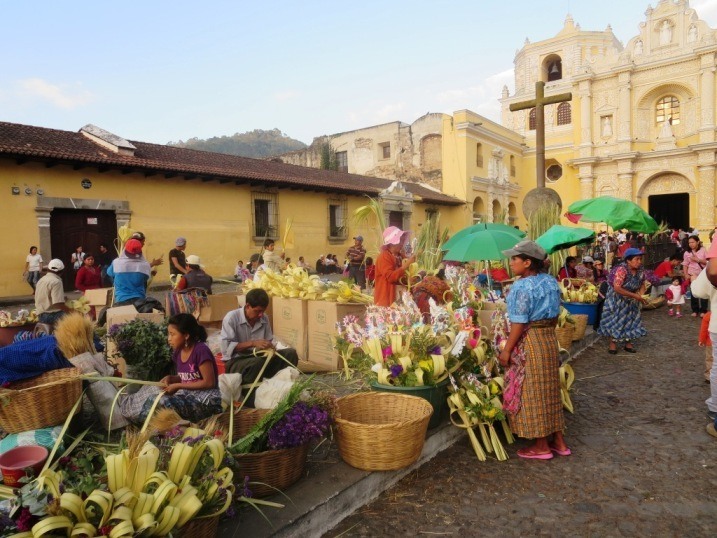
pixel 333 490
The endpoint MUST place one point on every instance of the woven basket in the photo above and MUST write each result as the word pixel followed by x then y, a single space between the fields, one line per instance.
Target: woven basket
pixel 203 527
pixel 565 335
pixel 273 468
pixel 244 420
pixel 380 431
pixel 41 401
pixel 581 323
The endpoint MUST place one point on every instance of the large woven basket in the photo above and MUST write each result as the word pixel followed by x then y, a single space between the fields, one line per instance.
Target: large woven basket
pixel 581 324
pixel 273 468
pixel 380 431
pixel 40 401
pixel 565 335
pixel 203 527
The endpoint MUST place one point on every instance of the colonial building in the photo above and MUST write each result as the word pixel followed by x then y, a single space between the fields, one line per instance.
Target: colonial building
pixel 62 189
pixel 641 123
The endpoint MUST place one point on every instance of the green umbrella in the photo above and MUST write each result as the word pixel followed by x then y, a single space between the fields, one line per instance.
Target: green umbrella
pixel 482 245
pixel 559 237
pixel 481 227
pixel 615 212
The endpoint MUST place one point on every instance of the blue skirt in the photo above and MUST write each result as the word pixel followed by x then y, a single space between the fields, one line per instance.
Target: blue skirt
pixel 621 318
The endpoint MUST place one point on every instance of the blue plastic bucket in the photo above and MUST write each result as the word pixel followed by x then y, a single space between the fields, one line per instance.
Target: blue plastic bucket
pixel 590 309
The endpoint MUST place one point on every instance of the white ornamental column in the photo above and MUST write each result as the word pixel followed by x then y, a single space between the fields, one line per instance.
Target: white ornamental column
pixel 624 111
pixel 706 197
pixel 707 98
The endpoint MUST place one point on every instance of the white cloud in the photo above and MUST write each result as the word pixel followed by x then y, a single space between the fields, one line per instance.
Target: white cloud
pixel 59 96
pixel 375 113
pixel 285 95
pixel 481 98
pixel 707 10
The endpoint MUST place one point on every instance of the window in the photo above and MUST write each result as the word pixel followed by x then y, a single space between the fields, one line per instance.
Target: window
pixel 668 109
pixel 531 120
pixel 564 114
pixel 479 155
pixel 342 161
pixel 384 150
pixel 265 215
pixel 338 210
pixel 555 70
pixel 512 166
pixel 554 172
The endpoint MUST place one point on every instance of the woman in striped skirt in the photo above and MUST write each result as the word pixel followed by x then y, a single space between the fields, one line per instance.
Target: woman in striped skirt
pixel 532 391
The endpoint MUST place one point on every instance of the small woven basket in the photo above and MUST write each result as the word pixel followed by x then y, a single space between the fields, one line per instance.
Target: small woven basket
pixel 380 431
pixel 565 335
pixel 203 527
pixel 41 401
pixel 244 420
pixel 273 468
pixel 581 324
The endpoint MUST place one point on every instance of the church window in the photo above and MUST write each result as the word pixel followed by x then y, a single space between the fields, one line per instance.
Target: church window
pixel 265 215
pixel 564 114
pixel 384 150
pixel 338 211
pixel 668 109
pixel 342 161
pixel 512 166
pixel 555 70
pixel 479 155
pixel 531 120
pixel 554 172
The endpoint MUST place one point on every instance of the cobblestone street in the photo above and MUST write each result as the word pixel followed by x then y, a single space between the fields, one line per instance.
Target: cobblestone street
pixel 642 463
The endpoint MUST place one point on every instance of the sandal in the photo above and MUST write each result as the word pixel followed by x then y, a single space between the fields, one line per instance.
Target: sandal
pixel 630 349
pixel 528 454
pixel 564 452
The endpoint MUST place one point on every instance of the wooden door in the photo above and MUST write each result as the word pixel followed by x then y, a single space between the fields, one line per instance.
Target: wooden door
pixel 70 228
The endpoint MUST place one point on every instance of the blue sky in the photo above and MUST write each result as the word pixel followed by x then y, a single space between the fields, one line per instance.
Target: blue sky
pixel 157 71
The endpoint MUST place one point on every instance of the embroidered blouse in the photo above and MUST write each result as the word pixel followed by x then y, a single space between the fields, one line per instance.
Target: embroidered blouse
pixel 533 298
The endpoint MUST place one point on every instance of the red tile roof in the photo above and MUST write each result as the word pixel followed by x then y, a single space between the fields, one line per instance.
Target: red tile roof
pixel 26 142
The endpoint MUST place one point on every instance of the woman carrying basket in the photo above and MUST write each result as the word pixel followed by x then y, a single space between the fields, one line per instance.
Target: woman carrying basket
pixel 532 393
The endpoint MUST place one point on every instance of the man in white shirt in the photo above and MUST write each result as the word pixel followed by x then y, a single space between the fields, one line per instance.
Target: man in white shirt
pixel 50 294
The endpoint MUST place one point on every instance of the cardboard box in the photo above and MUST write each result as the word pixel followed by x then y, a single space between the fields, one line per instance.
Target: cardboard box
pixel 323 316
pixel 123 314
pixel 219 306
pixel 98 297
pixel 290 323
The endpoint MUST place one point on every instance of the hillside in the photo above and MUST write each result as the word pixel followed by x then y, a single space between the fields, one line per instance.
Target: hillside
pixel 257 143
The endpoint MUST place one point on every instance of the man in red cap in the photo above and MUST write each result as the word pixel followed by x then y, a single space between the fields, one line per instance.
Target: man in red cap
pixel 131 273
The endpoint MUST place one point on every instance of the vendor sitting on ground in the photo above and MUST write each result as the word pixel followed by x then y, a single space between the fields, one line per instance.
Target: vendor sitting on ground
pixel 568 270
pixel 245 332
pixel 194 392
pixel 195 277
pixel 585 270
pixel 50 294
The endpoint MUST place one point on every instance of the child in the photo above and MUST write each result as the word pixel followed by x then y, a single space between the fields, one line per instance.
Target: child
pixel 370 272
pixel 675 297
pixel 706 342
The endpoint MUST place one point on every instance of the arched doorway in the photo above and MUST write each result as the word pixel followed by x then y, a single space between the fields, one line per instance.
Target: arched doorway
pixel 512 214
pixel 478 210
pixel 498 215
pixel 668 199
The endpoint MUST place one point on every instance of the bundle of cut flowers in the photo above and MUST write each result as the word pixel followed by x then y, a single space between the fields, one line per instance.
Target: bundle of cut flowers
pixel 143 345
pixel 301 417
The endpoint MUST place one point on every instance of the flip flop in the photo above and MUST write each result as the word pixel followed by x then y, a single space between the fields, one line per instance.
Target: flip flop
pixel 559 452
pixel 535 455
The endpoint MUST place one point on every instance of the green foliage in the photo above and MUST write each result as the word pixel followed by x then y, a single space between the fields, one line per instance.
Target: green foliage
pixel 143 345
pixel 328 157
pixel 430 238
pixel 256 143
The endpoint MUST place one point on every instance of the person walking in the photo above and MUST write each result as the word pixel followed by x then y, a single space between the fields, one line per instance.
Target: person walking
pixel 621 319
pixel 532 393
pixel 693 261
pixel 272 259
pixel 356 255
pixel 33 267
pixel 103 260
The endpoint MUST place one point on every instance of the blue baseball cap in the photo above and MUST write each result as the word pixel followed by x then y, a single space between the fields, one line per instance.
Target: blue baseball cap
pixel 632 252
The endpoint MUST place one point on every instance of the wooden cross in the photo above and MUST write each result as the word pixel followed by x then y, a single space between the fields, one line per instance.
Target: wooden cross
pixel 538 103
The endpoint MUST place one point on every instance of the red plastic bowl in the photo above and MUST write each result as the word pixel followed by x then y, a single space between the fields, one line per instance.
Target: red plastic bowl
pixel 15 461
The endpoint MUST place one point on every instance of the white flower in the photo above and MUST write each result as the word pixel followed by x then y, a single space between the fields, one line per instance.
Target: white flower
pixel 376 368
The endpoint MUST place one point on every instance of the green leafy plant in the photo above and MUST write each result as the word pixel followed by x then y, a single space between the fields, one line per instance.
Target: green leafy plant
pixel 143 345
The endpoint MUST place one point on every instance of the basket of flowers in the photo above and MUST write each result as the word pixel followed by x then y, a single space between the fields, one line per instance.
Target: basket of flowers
pixel 273 453
pixel 380 431
pixel 40 401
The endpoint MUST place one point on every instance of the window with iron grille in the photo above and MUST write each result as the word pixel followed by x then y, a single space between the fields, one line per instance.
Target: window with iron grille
pixel 338 214
pixel 265 215
pixel 342 161
pixel 479 155
pixel 531 120
pixel 564 114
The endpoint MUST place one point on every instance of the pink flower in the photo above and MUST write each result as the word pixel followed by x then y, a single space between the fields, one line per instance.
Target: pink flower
pixel 472 343
pixel 387 352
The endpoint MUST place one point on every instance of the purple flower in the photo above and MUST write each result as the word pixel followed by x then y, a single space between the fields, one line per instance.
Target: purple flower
pixel 387 352
pixel 300 425
pixel 246 492
pixel 396 370
pixel 436 350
